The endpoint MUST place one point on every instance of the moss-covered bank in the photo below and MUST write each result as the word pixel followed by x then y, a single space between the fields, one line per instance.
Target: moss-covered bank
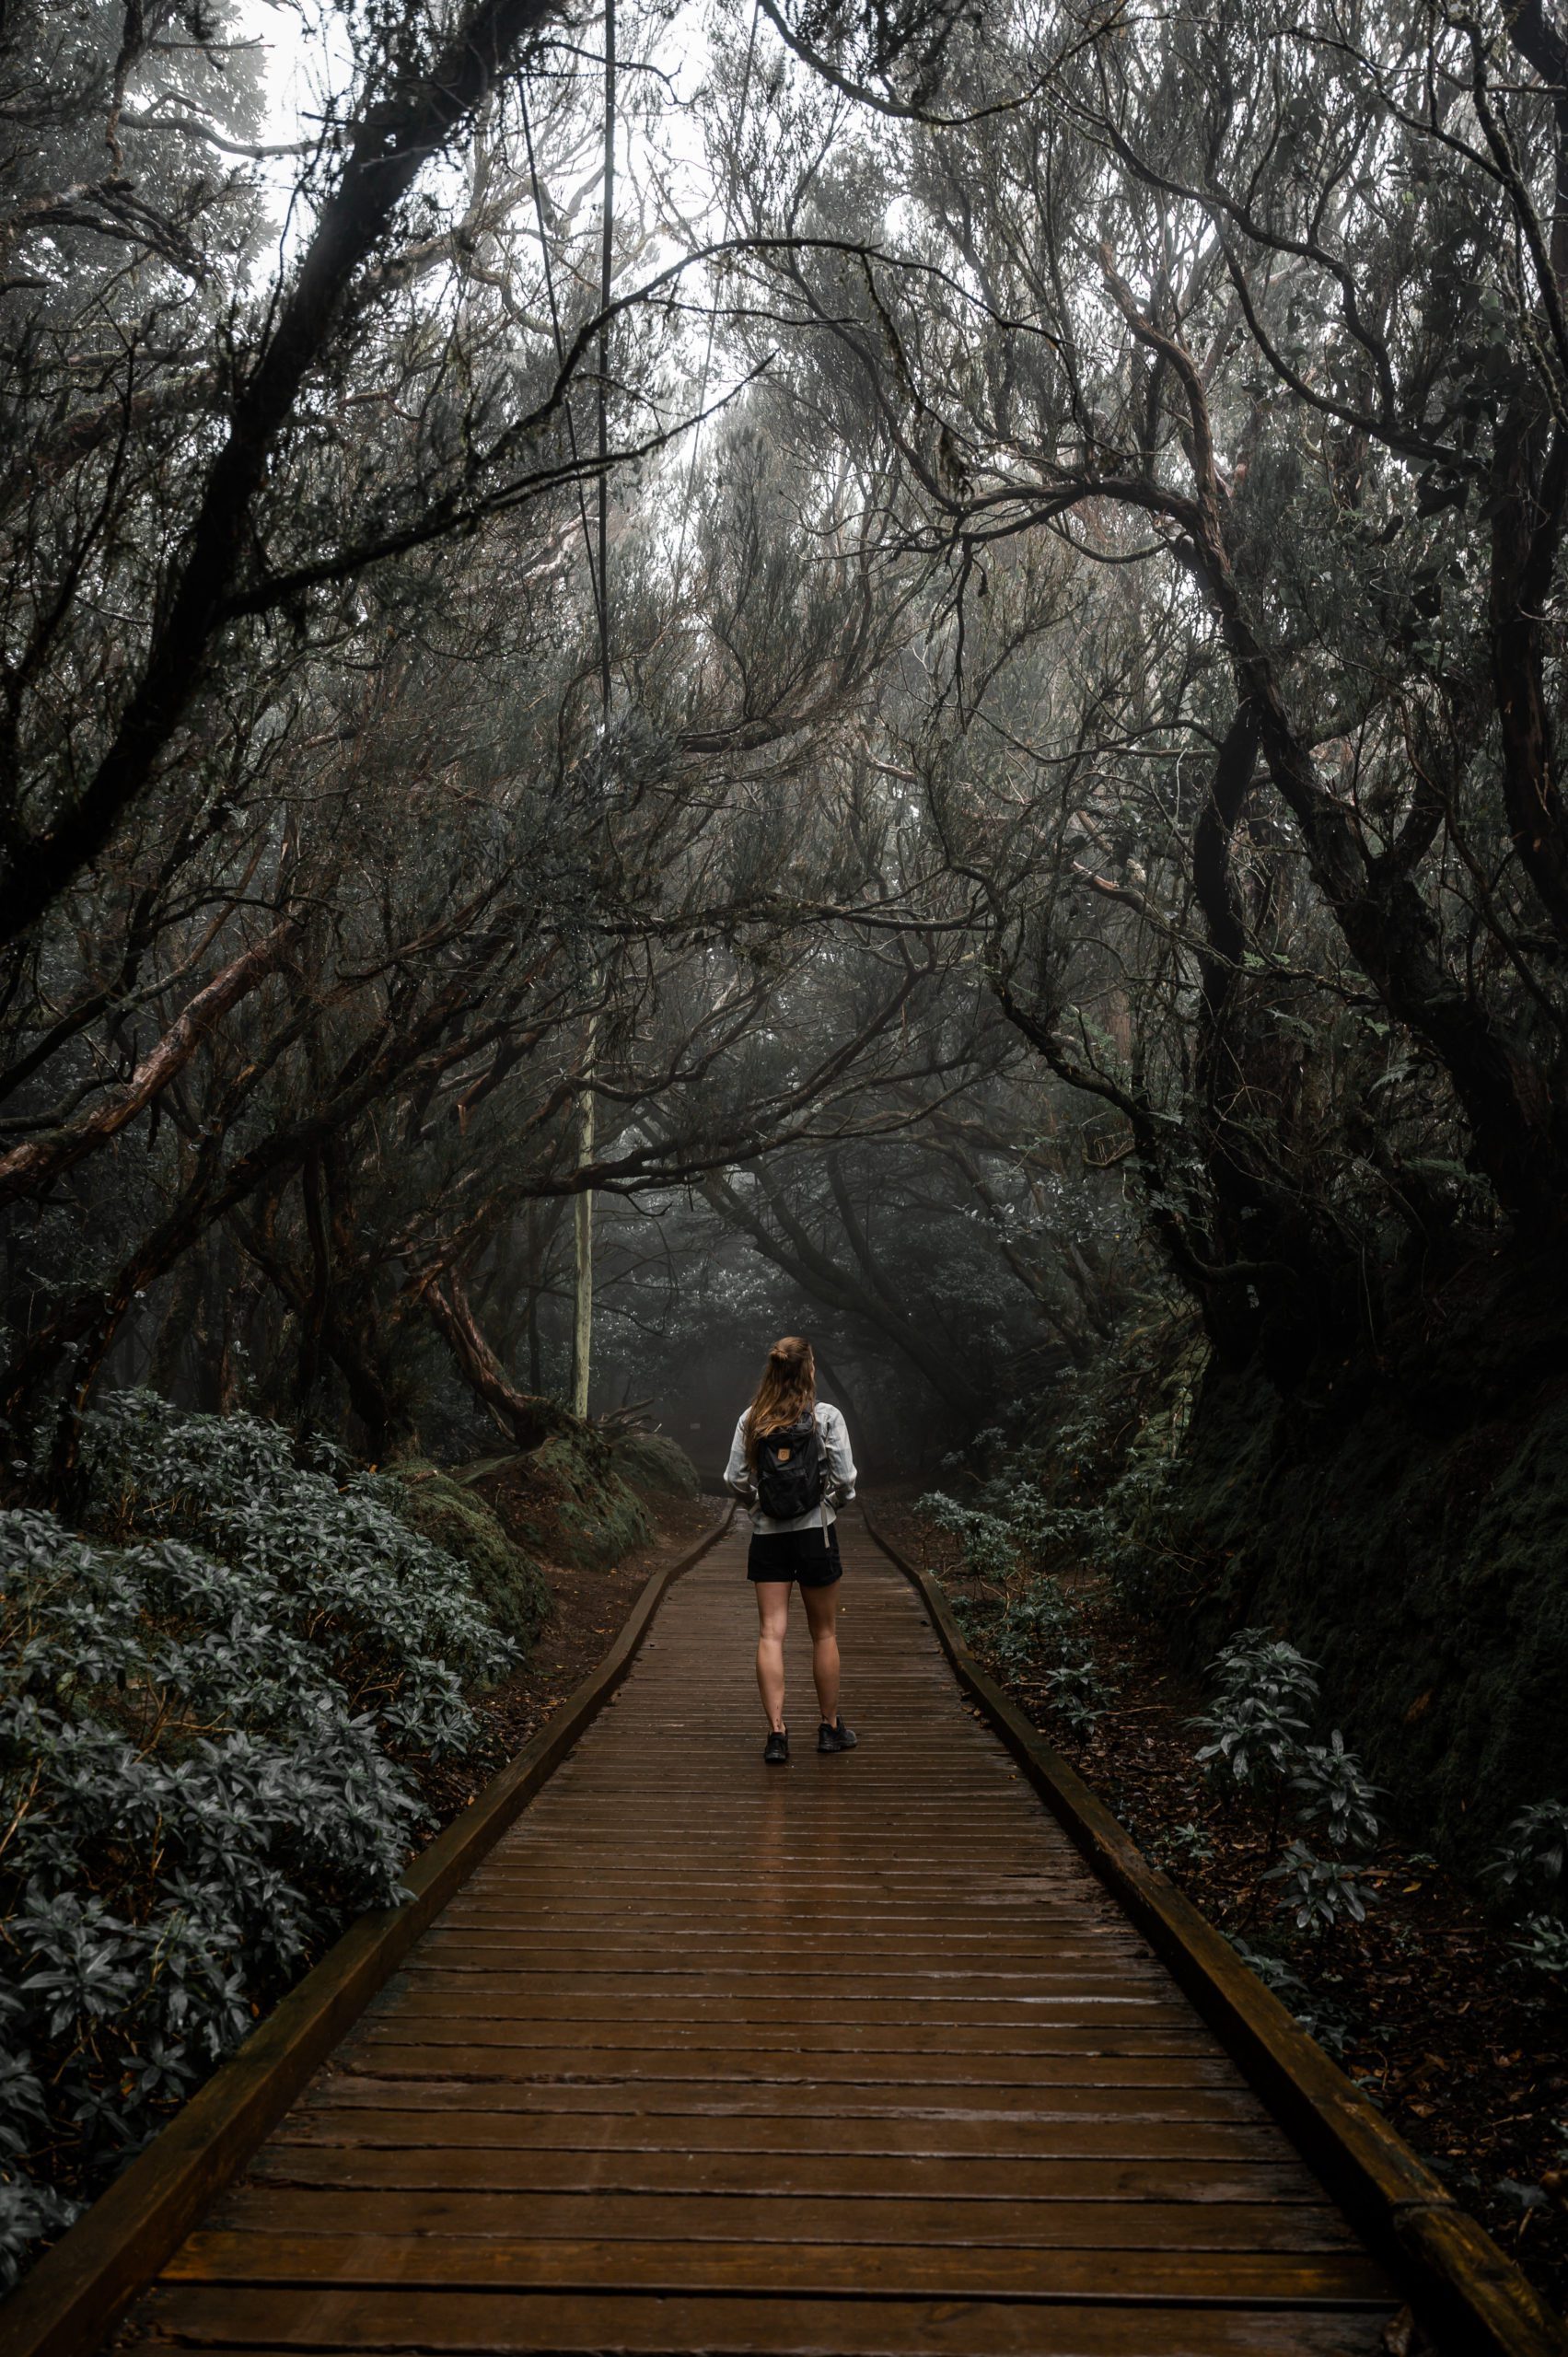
pixel 453 1516
pixel 655 1465
pixel 576 1500
pixel 1410 1532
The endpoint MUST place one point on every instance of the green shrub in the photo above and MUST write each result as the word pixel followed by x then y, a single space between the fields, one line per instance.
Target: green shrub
pixel 992 1548
pixel 1317 1891
pixel 400 1626
pixel 1258 1726
pixel 1317 2014
pixel 1033 1631
pixel 201 1711
pixel 1037 1635
pixel 1013 1524
pixel 1532 1860
pixel 1257 1723
pixel 1530 1870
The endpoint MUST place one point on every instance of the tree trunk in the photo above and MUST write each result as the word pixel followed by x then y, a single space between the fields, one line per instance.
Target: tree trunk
pixel 29 1168
pixel 527 1422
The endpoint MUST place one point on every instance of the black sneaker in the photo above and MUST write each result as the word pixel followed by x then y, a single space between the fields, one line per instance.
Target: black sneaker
pixel 836 1737
pixel 775 1751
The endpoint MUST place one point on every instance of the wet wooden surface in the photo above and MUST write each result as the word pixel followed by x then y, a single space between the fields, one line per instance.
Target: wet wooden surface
pixel 852 2057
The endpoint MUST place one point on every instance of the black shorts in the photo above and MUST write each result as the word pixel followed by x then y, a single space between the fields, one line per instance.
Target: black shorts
pixel 795 1555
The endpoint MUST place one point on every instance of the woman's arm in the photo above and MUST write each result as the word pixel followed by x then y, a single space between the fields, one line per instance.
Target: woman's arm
pixel 737 1473
pixel 840 1461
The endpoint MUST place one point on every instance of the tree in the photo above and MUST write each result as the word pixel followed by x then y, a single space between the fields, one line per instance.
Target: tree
pixel 1223 400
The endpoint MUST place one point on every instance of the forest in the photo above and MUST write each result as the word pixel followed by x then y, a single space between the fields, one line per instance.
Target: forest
pixel 675 670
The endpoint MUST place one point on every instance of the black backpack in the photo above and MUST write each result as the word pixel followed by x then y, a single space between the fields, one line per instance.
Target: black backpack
pixel 792 1470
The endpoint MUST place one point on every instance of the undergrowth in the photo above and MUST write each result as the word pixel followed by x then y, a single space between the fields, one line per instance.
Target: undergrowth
pixel 208 1702
pixel 1061 1508
pixel 1024 1620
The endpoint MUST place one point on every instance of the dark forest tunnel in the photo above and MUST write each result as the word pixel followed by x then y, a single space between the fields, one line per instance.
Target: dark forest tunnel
pixel 673 675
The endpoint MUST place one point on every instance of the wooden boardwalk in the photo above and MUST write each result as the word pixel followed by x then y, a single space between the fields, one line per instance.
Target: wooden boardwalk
pixel 852 2057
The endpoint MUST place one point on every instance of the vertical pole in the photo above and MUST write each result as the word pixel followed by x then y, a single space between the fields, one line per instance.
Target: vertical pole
pixel 583 1239
pixel 583 1209
pixel 606 270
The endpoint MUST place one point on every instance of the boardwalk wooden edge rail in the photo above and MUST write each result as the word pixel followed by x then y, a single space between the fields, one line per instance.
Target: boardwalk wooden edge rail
pixel 79 2291
pixel 1465 2289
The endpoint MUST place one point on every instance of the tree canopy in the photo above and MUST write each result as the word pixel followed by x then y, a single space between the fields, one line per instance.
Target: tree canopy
pixel 951 619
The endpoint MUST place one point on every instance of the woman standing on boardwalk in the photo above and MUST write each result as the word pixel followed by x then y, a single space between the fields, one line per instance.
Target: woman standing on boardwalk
pixel 789 1462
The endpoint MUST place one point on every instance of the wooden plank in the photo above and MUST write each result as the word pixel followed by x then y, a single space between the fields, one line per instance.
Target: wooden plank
pixel 955 2001
pixel 588 2325
pixel 522 1933
pixel 467 2263
pixel 876 1886
pixel 1071 2120
pixel 883 1989
pixel 880 1977
pixel 69 2300
pixel 284 2215
pixel 805 1978
pixel 1114 2026
pixel 681 2098
pixel 1024 1906
pixel 593 1922
pixel 1093 2067
pixel 601 2168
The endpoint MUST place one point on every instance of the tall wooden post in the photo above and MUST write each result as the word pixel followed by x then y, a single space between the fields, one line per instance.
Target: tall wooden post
pixel 605 274
pixel 583 1210
pixel 583 1254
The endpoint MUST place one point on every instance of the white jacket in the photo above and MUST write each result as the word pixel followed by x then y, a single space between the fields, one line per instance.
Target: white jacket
pixel 841 1475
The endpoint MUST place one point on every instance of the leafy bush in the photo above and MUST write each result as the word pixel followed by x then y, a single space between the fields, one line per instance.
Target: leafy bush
pixel 1530 1860
pixel 1331 1786
pixel 1078 1690
pixel 397 1618
pixel 1038 1624
pixel 1013 1524
pixel 990 1546
pixel 1317 1891
pixel 1319 2016
pixel 1543 1944
pixel 1265 1691
pixel 1184 1845
pixel 1528 1870
pixel 1113 1466
pixel 198 1726
pixel 1258 1726
pixel 1037 1634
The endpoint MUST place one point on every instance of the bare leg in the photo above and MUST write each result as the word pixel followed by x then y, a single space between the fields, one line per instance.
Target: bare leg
pixel 773 1614
pixel 822 1614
